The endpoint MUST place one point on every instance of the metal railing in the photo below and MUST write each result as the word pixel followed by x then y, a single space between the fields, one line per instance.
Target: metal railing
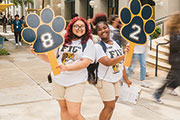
pixel 159 21
pixel 157 48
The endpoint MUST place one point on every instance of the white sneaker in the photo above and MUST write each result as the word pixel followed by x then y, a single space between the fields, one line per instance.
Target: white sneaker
pixel 173 93
pixel 143 84
pixel 20 43
pixel 16 44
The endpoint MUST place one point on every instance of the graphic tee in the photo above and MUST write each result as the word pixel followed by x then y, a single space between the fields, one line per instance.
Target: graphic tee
pixel 71 54
pixel 109 73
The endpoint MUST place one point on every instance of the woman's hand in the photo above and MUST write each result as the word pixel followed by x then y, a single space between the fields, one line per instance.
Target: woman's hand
pixel 62 67
pixel 32 50
pixel 128 82
pixel 127 49
pixel 42 56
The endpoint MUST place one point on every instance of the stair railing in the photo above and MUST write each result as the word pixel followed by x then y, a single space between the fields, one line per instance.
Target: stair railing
pixel 159 22
pixel 157 48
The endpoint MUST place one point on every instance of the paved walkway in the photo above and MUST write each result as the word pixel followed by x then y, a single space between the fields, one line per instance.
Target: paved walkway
pixel 25 93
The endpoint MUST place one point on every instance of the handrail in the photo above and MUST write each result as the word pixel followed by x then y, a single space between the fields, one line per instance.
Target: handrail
pixel 159 22
pixel 157 46
pixel 161 18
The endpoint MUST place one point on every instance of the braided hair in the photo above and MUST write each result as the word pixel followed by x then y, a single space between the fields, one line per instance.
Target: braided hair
pixel 100 18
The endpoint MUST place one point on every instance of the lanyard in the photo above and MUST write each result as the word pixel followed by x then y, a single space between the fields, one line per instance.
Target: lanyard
pixel 17 22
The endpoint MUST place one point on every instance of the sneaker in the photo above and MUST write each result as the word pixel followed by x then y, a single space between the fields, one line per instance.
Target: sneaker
pixel 158 100
pixel 143 84
pixel 173 93
pixel 20 43
pixel 16 44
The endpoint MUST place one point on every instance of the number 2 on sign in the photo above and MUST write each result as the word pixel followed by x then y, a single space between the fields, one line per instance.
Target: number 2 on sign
pixel 135 33
pixel 47 40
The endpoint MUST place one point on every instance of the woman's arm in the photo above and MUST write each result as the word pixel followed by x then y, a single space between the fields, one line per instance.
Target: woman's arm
pixel 110 61
pixel 22 25
pixel 126 78
pixel 12 26
pixel 83 63
pixel 42 56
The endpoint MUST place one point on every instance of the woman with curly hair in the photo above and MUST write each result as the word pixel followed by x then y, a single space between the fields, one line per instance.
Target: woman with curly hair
pixel 111 69
pixel 173 77
pixel 68 87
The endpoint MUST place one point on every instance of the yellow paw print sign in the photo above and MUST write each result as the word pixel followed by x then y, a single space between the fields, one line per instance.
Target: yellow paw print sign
pixel 137 24
pixel 44 33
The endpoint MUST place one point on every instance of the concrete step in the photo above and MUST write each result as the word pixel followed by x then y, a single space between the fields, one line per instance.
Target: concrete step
pixel 162 50
pixel 161 57
pixel 161 65
pixel 163 53
pixel 161 40
pixel 166 37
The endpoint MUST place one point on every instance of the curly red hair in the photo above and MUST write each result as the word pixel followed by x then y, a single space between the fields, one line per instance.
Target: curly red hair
pixel 69 34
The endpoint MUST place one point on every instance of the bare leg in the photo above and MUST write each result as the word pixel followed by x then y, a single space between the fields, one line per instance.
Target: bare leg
pixel 74 109
pixel 112 111
pixel 64 111
pixel 107 111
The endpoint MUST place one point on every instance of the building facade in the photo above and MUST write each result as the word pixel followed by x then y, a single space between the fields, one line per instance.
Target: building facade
pixel 13 10
pixel 83 8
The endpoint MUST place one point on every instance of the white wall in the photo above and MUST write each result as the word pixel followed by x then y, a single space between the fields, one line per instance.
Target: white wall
pixel 101 6
pixel 167 8
pixel 54 4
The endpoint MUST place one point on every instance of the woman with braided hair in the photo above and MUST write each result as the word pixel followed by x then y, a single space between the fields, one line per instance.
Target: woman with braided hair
pixel 110 56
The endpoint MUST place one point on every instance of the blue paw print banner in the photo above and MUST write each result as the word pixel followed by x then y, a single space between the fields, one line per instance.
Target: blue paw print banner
pixel 137 24
pixel 44 33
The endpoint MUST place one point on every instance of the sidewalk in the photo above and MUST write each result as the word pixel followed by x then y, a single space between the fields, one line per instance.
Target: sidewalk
pixel 25 93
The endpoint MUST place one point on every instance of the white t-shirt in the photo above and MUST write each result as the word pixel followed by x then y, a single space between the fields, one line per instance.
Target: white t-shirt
pixel 140 49
pixel 109 73
pixel 70 55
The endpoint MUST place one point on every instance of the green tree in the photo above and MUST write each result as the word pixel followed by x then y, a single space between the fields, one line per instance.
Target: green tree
pixel 28 2
pixel 22 3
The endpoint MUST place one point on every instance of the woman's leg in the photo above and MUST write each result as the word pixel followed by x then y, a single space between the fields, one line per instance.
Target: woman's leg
pixel 19 33
pixel 113 110
pixel 74 110
pixel 64 111
pixel 16 37
pixel 74 95
pixel 117 93
pixel 107 111
pixel 108 93
pixel 170 78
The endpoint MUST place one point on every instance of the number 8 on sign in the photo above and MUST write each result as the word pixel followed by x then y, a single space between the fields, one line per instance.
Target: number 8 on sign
pixel 47 40
pixel 44 33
